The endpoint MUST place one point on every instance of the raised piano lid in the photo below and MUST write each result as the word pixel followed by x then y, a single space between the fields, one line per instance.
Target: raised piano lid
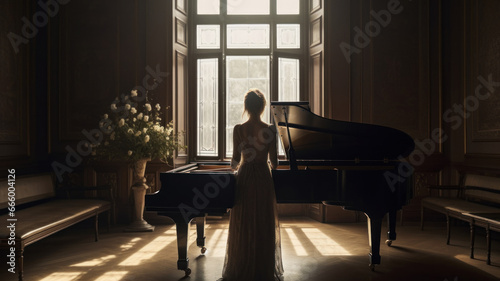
pixel 317 138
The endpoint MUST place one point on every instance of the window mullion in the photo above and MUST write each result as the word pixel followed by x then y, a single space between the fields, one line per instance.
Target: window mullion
pixel 223 90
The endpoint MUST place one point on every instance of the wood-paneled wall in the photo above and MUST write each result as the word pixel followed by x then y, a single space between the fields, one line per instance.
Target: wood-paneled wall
pixel 482 83
pixel 16 85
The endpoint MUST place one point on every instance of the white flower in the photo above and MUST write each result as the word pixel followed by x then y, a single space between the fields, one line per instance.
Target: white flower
pixel 133 110
pixel 169 130
pixel 158 107
pixel 121 122
pixel 133 120
pixel 113 107
pixel 146 138
pixel 129 152
pixel 130 131
pixel 146 118
pixel 133 93
pixel 138 133
pixel 147 106
pixel 127 106
pixel 144 130
pixel 105 116
pixel 139 116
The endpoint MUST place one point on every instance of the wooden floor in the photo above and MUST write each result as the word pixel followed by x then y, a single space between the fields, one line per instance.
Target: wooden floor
pixel 311 251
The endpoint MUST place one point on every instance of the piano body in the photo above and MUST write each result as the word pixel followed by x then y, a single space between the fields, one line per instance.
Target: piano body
pixel 333 162
pixel 348 164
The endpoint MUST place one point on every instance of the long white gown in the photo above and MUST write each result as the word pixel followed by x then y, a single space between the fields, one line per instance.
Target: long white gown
pixel 253 249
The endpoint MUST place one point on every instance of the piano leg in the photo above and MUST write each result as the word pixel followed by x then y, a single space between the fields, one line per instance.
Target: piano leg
pixel 200 230
pixel 391 221
pixel 374 230
pixel 182 242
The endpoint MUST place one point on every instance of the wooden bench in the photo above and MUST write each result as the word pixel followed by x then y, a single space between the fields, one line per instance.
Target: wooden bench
pixel 490 222
pixel 478 192
pixel 39 213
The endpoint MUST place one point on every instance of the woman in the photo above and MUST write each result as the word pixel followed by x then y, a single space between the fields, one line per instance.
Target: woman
pixel 253 248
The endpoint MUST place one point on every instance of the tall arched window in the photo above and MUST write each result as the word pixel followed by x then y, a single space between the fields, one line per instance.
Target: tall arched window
pixel 239 45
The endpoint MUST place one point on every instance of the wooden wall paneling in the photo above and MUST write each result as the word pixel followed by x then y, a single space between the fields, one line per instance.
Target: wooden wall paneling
pixel 482 96
pixel 181 79
pixel 158 58
pixel 181 103
pixel 396 90
pixel 89 65
pixel 158 46
pixel 15 84
pixel 316 83
pixel 292 209
pixel 358 62
pixel 337 65
pixel 92 63
pixel 453 22
pixel 316 49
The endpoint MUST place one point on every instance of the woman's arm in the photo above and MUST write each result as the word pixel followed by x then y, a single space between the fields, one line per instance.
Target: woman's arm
pixel 273 154
pixel 235 161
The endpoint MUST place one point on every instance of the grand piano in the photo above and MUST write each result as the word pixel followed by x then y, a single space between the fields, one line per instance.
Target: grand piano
pixel 354 165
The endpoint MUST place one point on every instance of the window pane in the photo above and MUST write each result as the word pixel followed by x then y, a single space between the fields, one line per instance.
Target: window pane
pixel 208 88
pixel 288 36
pixel 208 7
pixel 288 85
pixel 248 36
pixel 248 7
pixel 208 36
pixel 289 75
pixel 288 7
pixel 244 73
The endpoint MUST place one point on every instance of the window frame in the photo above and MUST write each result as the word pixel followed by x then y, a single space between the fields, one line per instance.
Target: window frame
pixel 222 19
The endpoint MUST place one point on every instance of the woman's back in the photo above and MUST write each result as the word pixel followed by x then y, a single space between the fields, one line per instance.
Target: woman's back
pixel 255 140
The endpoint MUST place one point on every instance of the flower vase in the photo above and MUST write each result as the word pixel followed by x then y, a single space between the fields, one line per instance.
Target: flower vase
pixel 139 190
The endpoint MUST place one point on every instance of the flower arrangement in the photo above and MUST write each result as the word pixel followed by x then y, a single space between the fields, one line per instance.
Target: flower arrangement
pixel 133 131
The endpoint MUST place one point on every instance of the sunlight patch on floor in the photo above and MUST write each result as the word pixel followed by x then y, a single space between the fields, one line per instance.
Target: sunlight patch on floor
pixel 130 244
pixel 325 245
pixel 112 276
pixel 151 249
pixel 95 262
pixel 296 225
pixel 216 245
pixel 297 245
pixel 63 276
